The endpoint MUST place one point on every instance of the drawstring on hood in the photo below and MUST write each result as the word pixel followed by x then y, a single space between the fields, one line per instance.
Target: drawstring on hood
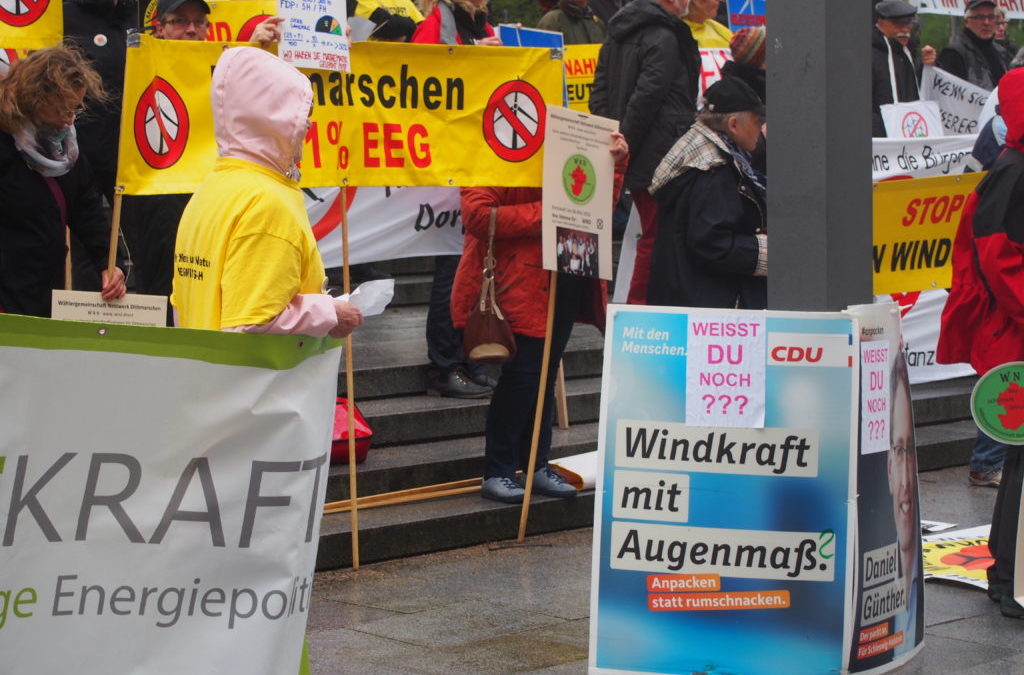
pixel 1011 107
pixel 260 107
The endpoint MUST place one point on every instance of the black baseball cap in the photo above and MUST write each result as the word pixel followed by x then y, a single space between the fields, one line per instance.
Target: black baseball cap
pixel 164 6
pixel 731 94
pixel 971 4
pixel 894 9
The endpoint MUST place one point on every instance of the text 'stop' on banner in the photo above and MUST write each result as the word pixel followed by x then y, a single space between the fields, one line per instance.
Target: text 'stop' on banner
pixel 915 223
pixel 30 24
pixel 407 115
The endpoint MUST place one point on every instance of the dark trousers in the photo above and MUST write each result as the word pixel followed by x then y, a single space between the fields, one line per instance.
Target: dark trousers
pixel 1002 541
pixel 513 404
pixel 444 343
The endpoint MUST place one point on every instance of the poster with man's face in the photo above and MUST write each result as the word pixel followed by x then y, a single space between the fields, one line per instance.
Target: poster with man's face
pixel 889 612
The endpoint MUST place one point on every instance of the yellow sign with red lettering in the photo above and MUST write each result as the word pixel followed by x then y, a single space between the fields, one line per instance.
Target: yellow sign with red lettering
pixel 915 224
pixel 580 66
pixel 30 24
pixel 408 115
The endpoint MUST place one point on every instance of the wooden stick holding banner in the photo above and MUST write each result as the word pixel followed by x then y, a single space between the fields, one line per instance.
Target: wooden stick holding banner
pixel 67 258
pixel 115 230
pixel 561 402
pixel 346 282
pixel 539 412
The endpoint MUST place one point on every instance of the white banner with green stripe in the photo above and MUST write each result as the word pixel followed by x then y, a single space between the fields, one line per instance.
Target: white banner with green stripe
pixel 160 496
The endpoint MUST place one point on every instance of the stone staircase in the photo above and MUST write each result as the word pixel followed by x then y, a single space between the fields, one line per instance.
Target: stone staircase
pixel 421 440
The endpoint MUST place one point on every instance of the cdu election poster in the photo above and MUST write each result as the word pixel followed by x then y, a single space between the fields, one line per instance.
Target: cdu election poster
pixel 726 492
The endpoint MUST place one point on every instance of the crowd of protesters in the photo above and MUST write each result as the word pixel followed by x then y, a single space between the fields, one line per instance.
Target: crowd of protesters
pixel 693 163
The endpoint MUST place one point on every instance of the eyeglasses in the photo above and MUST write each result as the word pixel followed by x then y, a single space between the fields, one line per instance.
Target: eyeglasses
pixel 181 22
pixel 981 17
pixel 74 113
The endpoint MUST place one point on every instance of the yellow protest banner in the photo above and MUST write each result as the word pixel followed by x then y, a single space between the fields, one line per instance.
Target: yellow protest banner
pixel 409 115
pixel 230 20
pixel 915 223
pixel 167 143
pixel 235 20
pixel 31 24
pixel 580 65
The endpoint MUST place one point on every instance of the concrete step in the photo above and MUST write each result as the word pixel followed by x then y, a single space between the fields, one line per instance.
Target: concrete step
pixel 390 354
pixel 440 524
pixel 936 402
pixel 415 419
pixel 402 467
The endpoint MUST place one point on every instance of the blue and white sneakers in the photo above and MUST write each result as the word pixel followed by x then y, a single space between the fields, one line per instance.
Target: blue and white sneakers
pixel 547 481
pixel 502 489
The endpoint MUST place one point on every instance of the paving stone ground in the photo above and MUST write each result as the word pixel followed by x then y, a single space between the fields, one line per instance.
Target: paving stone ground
pixel 509 608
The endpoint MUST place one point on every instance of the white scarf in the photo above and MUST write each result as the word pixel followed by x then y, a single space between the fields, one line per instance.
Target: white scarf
pixel 49 156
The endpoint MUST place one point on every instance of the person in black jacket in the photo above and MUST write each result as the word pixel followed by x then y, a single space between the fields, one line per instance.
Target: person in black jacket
pixel 44 182
pixel 893 67
pixel 647 74
pixel 712 244
pixel 974 55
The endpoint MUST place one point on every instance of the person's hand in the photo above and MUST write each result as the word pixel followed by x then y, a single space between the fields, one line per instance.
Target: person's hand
pixel 928 55
pixel 113 287
pixel 489 41
pixel 619 148
pixel 268 31
pixel 349 317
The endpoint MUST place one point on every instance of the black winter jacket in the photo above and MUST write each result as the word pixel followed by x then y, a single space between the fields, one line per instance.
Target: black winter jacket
pixel 705 251
pixel 647 75
pixel 905 71
pixel 100 28
pixel 980 62
pixel 32 248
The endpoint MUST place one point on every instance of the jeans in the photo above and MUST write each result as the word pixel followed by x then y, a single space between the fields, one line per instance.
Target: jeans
pixel 444 342
pixel 987 455
pixel 510 417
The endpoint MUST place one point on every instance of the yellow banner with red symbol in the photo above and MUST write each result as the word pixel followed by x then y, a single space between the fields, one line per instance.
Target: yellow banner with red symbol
pixel 30 24
pixel 407 115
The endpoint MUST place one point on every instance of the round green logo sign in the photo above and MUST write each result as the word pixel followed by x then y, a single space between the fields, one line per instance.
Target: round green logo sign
pixel 997 403
pixel 578 179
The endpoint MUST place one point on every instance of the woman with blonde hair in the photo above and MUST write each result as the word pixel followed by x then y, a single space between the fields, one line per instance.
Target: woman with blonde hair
pixel 44 184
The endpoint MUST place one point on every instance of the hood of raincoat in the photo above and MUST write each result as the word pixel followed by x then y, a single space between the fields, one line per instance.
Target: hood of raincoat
pixel 1011 107
pixel 260 108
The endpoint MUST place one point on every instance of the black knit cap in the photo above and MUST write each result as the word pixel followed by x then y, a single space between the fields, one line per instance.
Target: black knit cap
pixel 164 6
pixel 731 94
pixel 894 9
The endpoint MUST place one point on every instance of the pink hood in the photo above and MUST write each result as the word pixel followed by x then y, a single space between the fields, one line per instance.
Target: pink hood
pixel 260 108
pixel 1011 107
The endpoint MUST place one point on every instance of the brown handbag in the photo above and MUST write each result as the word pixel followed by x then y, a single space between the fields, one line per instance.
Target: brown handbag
pixel 487 336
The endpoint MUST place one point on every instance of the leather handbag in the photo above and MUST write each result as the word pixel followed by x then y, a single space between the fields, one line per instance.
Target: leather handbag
pixel 488 337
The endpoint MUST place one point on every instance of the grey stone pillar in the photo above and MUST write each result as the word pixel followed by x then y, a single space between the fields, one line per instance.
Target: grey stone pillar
pixel 819 154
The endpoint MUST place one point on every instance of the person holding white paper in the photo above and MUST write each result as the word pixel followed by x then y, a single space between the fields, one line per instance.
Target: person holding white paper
pixel 245 257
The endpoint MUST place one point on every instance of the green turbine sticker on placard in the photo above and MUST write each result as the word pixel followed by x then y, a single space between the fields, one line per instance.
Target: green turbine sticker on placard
pixel 997 403
pixel 578 179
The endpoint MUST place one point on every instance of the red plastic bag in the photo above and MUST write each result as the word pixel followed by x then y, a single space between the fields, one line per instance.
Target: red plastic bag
pixel 339 440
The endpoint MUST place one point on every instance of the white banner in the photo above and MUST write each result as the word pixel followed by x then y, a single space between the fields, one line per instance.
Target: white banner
pixel 1014 8
pixel 920 312
pixel 160 497
pixel 919 157
pixel 913 119
pixel 960 102
pixel 711 62
pixel 386 223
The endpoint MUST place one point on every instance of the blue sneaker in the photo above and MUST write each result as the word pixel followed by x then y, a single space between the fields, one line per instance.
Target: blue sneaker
pixel 502 489
pixel 547 481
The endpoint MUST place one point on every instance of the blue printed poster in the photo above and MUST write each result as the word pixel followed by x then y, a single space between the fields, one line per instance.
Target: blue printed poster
pixel 746 13
pixel 726 476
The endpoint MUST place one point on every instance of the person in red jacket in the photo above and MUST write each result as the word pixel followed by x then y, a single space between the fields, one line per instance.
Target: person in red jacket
pixel 983 321
pixel 522 284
